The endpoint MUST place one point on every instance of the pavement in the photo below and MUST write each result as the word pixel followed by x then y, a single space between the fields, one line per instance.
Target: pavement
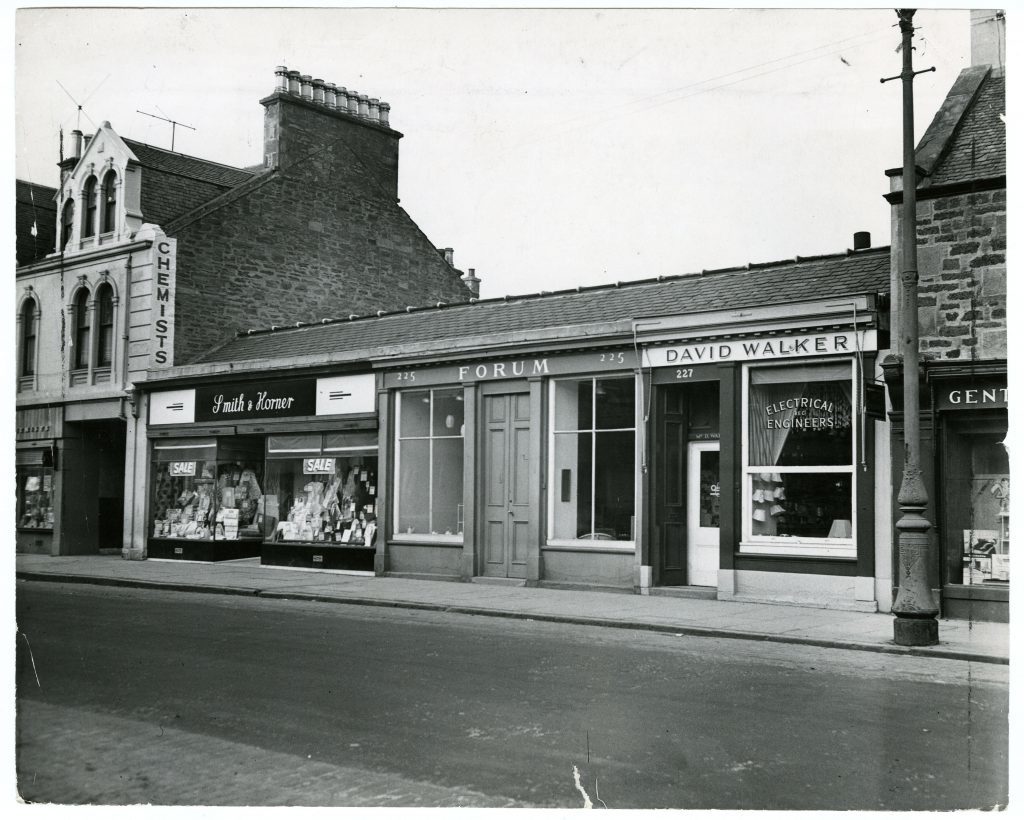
pixel 977 641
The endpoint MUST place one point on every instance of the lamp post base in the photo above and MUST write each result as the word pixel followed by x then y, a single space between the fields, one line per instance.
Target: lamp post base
pixel 915 631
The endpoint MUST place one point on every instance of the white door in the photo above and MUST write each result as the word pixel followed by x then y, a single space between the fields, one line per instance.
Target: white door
pixel 702 513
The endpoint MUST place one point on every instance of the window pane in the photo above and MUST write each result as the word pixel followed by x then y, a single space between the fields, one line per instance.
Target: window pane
pixel 447 413
pixel 982 523
pixel 800 424
pixel 183 499
pixel 330 499
pixel 573 404
pixel 613 486
pixel 414 415
pixel 414 486
pixel 804 505
pixel 570 504
pixel 615 408
pixel 35 497
pixel 446 482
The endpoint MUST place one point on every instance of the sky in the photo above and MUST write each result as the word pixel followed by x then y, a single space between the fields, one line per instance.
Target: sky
pixel 549 148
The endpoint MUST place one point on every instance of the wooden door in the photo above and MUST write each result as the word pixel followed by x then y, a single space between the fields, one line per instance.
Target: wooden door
pixel 670 487
pixel 506 484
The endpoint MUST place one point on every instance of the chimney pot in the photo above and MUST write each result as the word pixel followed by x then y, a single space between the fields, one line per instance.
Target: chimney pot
pixel 281 76
pixel 76 144
pixel 351 103
pixel 449 256
pixel 364 106
pixel 861 240
pixel 306 87
pixel 385 111
pixel 374 109
pixel 330 95
pixel 293 83
pixel 318 91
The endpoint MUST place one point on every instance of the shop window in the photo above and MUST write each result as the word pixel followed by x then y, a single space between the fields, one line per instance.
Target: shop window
pixel 976 501
pixel 109 195
pixel 322 488
pixel 82 319
pixel 34 475
pixel 29 323
pixel 799 443
pixel 67 223
pixel 105 326
pixel 430 432
pixel 592 461
pixel 89 214
pixel 205 492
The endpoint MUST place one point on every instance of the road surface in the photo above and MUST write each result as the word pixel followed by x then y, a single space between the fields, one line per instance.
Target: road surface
pixel 128 696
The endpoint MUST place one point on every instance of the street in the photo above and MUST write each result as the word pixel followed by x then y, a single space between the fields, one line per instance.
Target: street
pixel 129 696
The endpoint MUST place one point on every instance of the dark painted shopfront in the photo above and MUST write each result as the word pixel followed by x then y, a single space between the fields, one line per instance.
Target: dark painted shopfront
pixel 965 466
pixel 284 469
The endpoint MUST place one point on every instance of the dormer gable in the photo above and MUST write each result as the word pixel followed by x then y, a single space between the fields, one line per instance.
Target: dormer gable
pixel 98 201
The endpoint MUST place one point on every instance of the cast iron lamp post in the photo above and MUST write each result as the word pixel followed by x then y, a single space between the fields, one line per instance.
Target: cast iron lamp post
pixel 915 607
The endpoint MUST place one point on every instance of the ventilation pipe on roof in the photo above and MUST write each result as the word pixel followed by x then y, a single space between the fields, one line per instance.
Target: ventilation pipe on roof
pixel 861 241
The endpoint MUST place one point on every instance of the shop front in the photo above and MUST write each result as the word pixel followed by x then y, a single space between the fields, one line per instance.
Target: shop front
pixel 519 470
pixel 284 469
pixel 972 490
pixel 762 467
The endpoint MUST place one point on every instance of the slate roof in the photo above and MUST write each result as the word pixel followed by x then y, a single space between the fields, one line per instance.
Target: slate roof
pixel 978 146
pixel 203 170
pixel 178 184
pixel 34 204
pixel 773 283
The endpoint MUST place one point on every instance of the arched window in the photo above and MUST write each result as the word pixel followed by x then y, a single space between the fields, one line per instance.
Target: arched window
pixel 89 214
pixel 67 223
pixel 109 194
pixel 29 318
pixel 105 326
pixel 81 352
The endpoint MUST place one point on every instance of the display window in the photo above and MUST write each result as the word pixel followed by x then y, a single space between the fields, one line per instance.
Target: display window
pixel 799 445
pixel 976 503
pixel 592 462
pixel 321 488
pixel 429 464
pixel 34 477
pixel 207 490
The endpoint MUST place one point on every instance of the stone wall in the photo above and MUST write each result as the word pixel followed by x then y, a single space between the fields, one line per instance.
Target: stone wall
pixel 962 265
pixel 322 237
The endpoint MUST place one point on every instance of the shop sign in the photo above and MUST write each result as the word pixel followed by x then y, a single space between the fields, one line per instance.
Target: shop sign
pixel 163 303
pixel 805 413
pixel 181 468
pixel 767 348
pixel 285 398
pixel 256 400
pixel 520 368
pixel 318 466
pixel 971 395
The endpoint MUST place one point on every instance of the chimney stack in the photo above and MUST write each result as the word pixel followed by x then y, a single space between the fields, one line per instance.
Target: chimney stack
pixel 471 281
pixel 861 241
pixel 379 150
pixel 988 38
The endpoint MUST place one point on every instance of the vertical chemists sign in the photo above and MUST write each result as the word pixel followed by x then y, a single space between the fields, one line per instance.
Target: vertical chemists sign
pixel 165 252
